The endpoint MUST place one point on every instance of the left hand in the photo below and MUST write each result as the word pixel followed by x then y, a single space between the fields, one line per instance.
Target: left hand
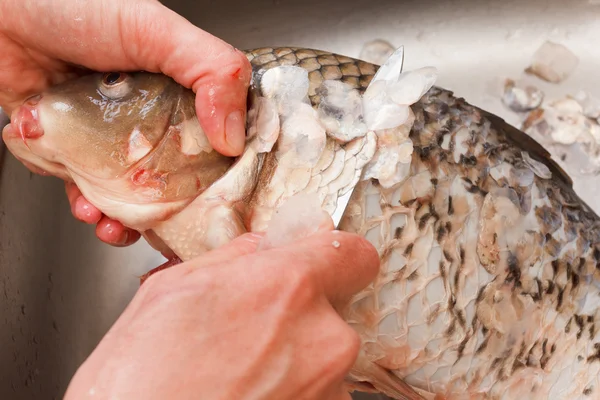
pixel 45 42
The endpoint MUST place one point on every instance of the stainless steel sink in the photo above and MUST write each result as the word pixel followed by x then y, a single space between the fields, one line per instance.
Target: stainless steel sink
pixel 61 289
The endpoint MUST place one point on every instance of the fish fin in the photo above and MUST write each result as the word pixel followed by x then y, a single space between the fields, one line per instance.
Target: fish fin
pixel 170 263
pixel 522 140
pixel 366 372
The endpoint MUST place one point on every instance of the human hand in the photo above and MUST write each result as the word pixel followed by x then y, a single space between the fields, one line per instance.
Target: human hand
pixel 237 323
pixel 45 42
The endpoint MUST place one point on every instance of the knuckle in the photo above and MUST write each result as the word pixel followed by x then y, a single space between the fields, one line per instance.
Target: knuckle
pixel 345 345
pixel 300 287
pixel 349 343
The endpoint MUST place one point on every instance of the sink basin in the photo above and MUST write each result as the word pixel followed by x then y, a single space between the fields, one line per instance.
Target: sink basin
pixel 61 289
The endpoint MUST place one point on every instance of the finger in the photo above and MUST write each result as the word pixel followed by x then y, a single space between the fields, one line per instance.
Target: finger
pixel 81 209
pixel 341 262
pixel 221 110
pixel 216 71
pixel 114 233
pixel 240 246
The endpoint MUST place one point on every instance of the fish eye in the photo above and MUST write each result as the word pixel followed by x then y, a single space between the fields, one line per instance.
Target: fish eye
pixel 115 85
pixel 113 78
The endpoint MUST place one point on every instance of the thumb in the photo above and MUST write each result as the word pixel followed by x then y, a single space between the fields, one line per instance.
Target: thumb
pixel 238 247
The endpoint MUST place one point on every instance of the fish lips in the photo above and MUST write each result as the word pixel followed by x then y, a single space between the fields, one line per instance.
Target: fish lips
pixel 25 120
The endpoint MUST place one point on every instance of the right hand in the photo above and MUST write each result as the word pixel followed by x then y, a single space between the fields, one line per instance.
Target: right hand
pixel 43 41
pixel 237 323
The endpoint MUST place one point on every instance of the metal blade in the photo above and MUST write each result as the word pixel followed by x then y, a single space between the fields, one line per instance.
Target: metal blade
pixel 340 209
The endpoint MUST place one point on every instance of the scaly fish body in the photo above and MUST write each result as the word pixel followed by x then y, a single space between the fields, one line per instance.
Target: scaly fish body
pixel 489 286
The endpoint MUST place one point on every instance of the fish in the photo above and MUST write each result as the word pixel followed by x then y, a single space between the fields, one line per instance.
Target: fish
pixel 489 285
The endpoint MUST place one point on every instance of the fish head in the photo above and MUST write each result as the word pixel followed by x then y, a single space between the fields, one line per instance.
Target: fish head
pixel 130 141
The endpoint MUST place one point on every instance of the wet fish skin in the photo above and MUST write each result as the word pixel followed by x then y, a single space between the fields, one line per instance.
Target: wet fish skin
pixel 489 287
pixel 489 281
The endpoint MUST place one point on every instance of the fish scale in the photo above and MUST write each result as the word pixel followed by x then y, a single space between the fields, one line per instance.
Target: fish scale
pixel 489 286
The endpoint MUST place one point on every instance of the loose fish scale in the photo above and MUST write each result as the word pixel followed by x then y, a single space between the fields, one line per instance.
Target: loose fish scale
pixel 340 165
pixel 465 306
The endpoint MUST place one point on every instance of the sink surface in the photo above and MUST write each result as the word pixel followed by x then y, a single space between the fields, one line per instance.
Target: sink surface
pixel 61 289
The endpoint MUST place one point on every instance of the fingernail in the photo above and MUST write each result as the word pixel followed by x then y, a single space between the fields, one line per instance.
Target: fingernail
pixel 235 132
pixel 124 239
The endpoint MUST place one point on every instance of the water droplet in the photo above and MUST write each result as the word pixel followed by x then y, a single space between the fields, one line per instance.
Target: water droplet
pixel 336 244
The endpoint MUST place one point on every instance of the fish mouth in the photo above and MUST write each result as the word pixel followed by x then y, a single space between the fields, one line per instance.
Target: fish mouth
pixel 25 120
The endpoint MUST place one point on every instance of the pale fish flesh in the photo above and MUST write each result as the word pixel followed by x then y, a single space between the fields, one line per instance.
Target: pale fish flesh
pixel 490 264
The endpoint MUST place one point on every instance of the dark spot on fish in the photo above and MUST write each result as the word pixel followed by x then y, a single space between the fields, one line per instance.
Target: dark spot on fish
pixel 596 355
pixel 469 161
pixel 452 302
pixel 545 356
pixel 474 189
pixel 462 255
pixel 559 298
pixel 517 363
pixel 563 157
pixel 555 265
pixel 385 205
pixel 441 233
pixel 592 330
pixel 451 328
pixel 596 254
pixel 581 263
pixel 442 271
pixel 450 208
pixel 461 318
pixel 479 295
pixel 448 227
pixel 424 152
pixel 413 276
pixel 514 272
pixel 496 362
pixel 461 347
pixel 440 140
pixel 410 202
pixel 408 250
pixel 423 221
pixel 579 322
pixel 569 271
pixel 375 182
pixel 434 181
pixel 575 280
pixel 587 391
pixel 447 256
pixel 568 325
pixel 550 288
pixel 386 253
pixel 483 345
pixel 537 296
pixel 398 232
